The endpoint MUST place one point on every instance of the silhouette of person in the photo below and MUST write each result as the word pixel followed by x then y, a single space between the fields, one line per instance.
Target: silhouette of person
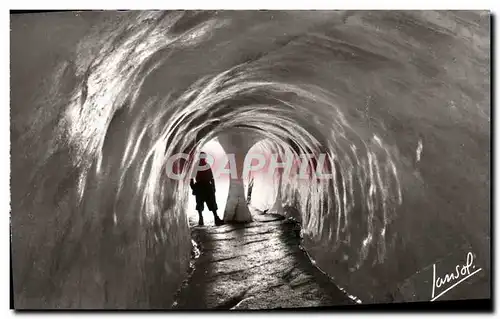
pixel 249 192
pixel 204 190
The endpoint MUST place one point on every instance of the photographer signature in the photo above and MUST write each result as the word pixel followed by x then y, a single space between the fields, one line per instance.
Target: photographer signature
pixel 461 273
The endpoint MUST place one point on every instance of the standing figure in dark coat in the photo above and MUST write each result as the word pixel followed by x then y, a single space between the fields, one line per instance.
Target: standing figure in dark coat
pixel 204 191
pixel 249 192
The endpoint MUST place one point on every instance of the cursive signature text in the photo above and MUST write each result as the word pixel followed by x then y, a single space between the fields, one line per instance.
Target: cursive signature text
pixel 461 273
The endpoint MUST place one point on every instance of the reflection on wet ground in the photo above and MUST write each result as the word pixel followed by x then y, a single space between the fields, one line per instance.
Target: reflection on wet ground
pixel 259 265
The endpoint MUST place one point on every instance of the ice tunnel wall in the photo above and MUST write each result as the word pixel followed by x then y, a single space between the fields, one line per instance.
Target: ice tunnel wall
pixel 399 101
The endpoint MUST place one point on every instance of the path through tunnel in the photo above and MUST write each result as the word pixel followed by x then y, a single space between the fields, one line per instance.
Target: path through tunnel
pixel 403 132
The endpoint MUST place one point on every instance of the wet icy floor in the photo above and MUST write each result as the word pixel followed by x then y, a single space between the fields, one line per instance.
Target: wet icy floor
pixel 258 265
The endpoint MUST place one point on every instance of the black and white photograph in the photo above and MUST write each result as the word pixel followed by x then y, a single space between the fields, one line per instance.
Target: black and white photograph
pixel 242 160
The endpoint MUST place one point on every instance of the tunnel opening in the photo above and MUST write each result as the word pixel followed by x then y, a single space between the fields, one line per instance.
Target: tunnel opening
pixel 278 152
pixel 264 185
pixel 260 187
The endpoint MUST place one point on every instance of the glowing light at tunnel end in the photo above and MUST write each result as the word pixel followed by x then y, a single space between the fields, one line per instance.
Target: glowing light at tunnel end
pixel 304 167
